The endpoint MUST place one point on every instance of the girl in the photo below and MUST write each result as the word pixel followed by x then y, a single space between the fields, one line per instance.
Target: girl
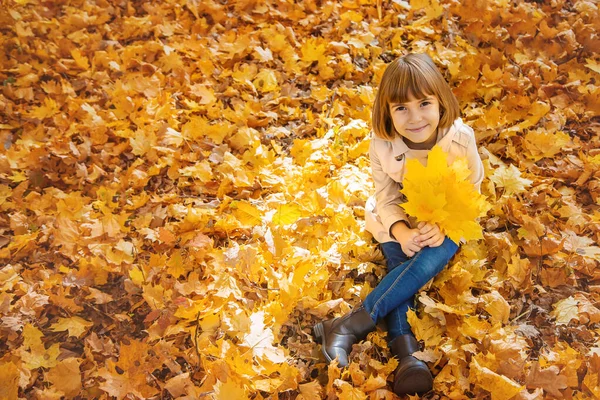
pixel 414 110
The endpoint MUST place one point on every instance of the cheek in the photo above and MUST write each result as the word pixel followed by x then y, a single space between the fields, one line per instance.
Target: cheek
pixel 398 120
pixel 436 114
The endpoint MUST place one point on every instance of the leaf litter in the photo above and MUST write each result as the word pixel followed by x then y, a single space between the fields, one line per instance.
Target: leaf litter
pixel 182 191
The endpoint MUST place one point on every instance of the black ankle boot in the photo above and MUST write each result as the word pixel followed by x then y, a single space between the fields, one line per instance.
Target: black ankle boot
pixel 339 334
pixel 413 375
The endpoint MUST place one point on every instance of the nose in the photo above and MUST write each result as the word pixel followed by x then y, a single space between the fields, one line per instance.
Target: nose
pixel 415 116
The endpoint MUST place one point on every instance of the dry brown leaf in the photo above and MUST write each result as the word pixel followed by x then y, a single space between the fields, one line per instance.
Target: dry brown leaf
pixel 548 379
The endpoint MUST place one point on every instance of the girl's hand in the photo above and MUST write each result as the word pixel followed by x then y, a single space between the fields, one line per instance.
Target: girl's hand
pixel 407 238
pixel 429 235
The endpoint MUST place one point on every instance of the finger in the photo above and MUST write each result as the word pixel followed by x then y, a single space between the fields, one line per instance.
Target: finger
pixel 421 239
pixel 421 224
pixel 431 242
pixel 410 250
pixel 426 228
pixel 415 245
pixel 415 248
pixel 431 228
pixel 438 241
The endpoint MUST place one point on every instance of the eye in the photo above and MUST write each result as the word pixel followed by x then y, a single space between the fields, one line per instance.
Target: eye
pixel 399 108
pixel 425 103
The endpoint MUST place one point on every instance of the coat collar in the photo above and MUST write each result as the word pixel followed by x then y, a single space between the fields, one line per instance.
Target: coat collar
pixel 444 139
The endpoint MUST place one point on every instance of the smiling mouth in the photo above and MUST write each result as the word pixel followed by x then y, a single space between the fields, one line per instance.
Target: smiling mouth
pixel 417 129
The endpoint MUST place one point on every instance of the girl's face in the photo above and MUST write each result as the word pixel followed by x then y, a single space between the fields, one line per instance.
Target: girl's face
pixel 417 121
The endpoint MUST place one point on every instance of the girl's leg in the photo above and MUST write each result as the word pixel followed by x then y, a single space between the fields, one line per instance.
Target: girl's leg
pixel 339 334
pixel 394 256
pixel 399 286
pixel 392 298
pixel 396 320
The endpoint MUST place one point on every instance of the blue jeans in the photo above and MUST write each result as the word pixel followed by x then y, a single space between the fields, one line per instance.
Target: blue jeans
pixel 395 293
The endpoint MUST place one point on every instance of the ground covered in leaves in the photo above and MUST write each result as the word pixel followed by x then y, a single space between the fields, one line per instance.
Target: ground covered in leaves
pixel 182 187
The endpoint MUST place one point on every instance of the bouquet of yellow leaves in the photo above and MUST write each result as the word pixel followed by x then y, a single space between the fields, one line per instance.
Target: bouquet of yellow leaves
pixel 444 195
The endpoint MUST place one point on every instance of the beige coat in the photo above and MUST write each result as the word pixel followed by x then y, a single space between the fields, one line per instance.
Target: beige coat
pixel 388 160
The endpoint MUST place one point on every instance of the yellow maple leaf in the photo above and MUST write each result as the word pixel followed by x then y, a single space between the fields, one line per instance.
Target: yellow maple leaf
pixel 137 276
pixel 545 144
pixel 510 179
pixel 425 328
pixel 66 377
pixel 593 65
pixel 18 176
pixel 475 327
pixel 265 81
pixel 348 392
pixel 571 359
pixel 496 306
pixel 5 193
pixel 142 141
pixel 314 50
pixel 33 353
pixel 176 265
pixel 46 110
pixel 206 94
pixel 499 386
pixel 591 383
pixel 80 60
pixel 310 391
pixel 260 340
pixel 32 336
pixel 75 325
pixel 246 213
pixel 373 383
pixel 287 214
pixel 244 73
pixel 229 390
pixel 156 295
pixel 443 195
pixel 432 8
pixel 9 381
pixel 536 111
pixel 122 252
pixel 518 269
pixel 359 148
pixel 592 252
pixel 200 170
pixel 218 131
pixel 565 310
pixel 121 385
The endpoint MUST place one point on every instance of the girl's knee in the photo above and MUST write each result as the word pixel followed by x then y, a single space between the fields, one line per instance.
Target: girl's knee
pixel 447 248
pixel 450 246
pixel 438 257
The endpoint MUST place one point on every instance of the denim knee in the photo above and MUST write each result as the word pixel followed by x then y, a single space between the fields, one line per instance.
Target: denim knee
pixel 394 256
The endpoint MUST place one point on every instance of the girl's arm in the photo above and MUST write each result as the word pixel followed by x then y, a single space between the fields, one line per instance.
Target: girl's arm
pixel 474 160
pixel 387 194
pixel 407 238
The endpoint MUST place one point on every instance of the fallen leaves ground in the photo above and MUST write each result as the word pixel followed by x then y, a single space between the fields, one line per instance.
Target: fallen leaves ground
pixel 182 187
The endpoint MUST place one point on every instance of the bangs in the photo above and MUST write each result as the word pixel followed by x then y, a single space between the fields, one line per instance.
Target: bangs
pixel 409 83
pixel 411 76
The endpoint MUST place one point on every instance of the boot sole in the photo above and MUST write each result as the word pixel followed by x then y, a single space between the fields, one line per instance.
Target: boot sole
pixel 319 333
pixel 415 381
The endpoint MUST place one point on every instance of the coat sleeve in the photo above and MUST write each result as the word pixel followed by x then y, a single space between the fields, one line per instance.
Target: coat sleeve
pixel 474 161
pixel 387 194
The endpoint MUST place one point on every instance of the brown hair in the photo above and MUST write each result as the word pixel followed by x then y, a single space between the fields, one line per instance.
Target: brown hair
pixel 413 75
